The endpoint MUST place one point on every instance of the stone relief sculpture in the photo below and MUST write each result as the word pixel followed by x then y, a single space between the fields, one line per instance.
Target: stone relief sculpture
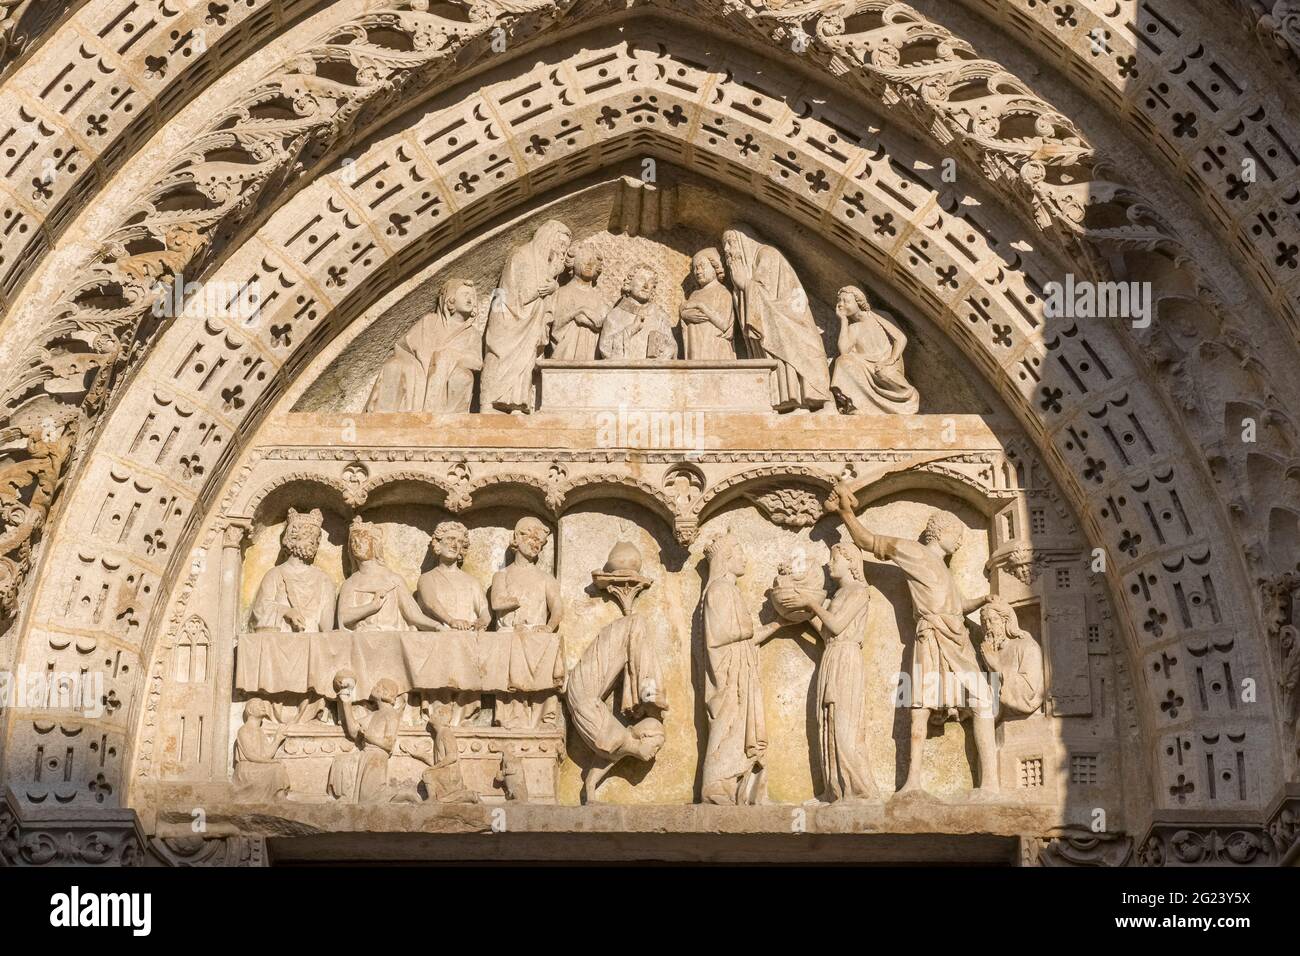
pixel 362 776
pixel 868 378
pixel 946 679
pixel 295 595
pixel 456 600
pixel 580 309
pixel 1014 656
pixel 841 623
pixel 518 319
pixel 621 654
pixel 525 597
pixel 449 595
pixel 533 313
pixel 374 597
pixel 776 321
pixel 734 771
pixel 432 368
pixel 708 317
pixel 637 328
pixel 259 777
pixel 444 781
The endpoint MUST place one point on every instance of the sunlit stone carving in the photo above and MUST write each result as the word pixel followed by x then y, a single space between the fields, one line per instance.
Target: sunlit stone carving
pixel 946 678
pixel 636 327
pixel 775 319
pixel 518 318
pixel 580 309
pixel 432 368
pixel 734 768
pixel 708 318
pixel 295 595
pixel 621 660
pixel 868 377
pixel 374 597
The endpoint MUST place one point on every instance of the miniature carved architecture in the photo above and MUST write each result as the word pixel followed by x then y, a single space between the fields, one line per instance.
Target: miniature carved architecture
pixel 413 408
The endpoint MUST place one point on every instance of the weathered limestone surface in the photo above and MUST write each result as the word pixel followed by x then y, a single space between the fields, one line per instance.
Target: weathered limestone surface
pixel 693 429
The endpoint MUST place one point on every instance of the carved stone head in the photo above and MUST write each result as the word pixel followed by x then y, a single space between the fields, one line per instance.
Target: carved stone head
pixel 586 261
pixel 458 299
pixel 852 303
pixel 450 541
pixel 365 541
pixel 384 691
pixel 945 529
pixel 998 618
pixel 847 562
pixel 706 266
pixel 530 537
pixel 726 554
pixel 552 240
pixel 301 535
pixel 640 283
pixel 257 709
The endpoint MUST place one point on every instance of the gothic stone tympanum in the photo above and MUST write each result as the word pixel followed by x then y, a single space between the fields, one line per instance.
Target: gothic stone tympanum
pixel 708 410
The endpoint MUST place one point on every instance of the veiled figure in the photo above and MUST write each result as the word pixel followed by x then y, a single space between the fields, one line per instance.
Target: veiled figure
pixel 869 377
pixel 519 317
pixel 734 771
pixel 259 777
pixel 432 368
pixel 841 680
pixel 776 320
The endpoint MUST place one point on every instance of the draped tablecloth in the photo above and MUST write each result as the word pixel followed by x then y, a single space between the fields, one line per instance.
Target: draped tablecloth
pixel 274 662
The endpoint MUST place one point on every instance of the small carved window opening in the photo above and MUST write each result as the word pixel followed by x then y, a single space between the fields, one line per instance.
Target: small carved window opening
pixel 1031 772
pixel 1083 770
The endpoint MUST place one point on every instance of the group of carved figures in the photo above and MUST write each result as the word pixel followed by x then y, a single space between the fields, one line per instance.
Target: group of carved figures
pixel 615 693
pixel 747 303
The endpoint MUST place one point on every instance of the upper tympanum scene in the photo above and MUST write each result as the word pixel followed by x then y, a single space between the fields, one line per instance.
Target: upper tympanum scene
pixel 561 301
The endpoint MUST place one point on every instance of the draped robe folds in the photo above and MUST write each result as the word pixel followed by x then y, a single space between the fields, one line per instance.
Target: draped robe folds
pixel 431 369
pixel 704 341
pixel 654 339
pixel 777 323
pixel 733 694
pixel 365 586
pixel 1019 664
pixel 623 650
pixel 946 673
pixel 458 595
pixel 258 777
pixel 571 341
pixel 362 775
pixel 841 689
pixel 517 324
pixel 302 588
pixel 868 381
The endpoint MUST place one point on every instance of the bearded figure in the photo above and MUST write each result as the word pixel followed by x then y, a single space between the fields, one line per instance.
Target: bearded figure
pixel 295 595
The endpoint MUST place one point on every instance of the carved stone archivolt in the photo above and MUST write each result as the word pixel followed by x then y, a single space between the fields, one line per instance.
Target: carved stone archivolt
pixel 641 373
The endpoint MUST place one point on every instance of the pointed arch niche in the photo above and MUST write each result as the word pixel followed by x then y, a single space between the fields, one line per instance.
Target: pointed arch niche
pixel 1045 440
